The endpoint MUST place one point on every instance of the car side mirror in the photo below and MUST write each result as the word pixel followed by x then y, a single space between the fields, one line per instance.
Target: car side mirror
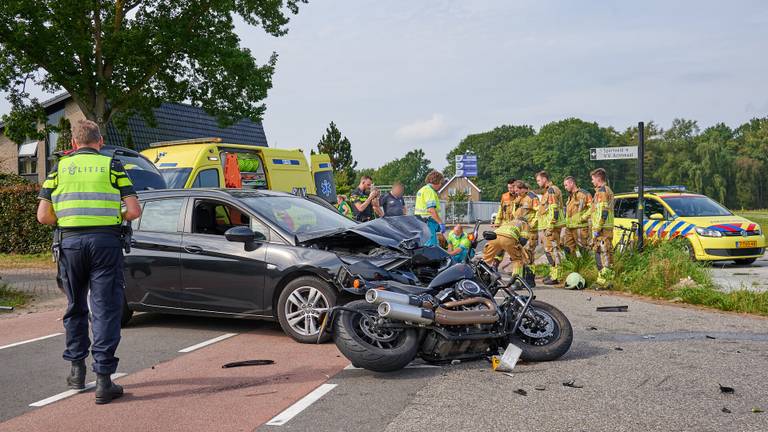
pixel 489 235
pixel 243 234
pixel 657 216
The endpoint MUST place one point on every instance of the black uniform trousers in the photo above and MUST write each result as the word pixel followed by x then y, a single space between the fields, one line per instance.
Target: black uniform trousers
pixel 93 262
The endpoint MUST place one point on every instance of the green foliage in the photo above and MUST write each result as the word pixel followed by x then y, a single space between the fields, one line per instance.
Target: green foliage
pixel 729 165
pixel 22 122
pixel 64 141
pixel 122 58
pixel 21 232
pixel 11 297
pixel 339 149
pixel 410 170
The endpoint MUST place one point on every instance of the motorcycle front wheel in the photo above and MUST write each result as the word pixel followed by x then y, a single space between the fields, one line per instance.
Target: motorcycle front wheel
pixel 369 346
pixel 546 338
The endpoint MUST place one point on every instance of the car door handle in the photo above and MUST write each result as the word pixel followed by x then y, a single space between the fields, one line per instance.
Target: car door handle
pixel 193 249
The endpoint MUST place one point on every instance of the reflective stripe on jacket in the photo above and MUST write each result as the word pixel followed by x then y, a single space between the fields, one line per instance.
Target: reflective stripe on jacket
pixel 84 192
pixel 577 210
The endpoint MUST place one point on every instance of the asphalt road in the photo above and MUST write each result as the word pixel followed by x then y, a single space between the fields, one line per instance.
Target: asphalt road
pixel 665 377
pixel 754 277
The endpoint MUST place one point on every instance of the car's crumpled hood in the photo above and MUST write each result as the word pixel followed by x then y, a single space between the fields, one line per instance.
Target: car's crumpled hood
pixel 388 231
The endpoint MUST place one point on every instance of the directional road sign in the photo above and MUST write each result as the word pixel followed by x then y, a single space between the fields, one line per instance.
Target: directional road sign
pixel 602 153
pixel 466 165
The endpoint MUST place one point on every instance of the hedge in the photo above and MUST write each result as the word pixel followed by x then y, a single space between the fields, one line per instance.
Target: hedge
pixel 20 232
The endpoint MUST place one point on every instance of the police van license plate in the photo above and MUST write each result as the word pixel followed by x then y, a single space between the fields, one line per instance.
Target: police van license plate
pixel 746 244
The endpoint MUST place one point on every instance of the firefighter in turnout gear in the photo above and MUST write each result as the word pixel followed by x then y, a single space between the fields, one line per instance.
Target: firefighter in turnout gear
pixel 510 238
pixel 550 220
pixel 577 214
pixel 526 208
pixel 83 196
pixel 602 227
pixel 506 210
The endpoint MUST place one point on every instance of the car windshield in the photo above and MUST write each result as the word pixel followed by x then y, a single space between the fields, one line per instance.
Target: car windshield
pixel 693 206
pixel 175 178
pixel 297 215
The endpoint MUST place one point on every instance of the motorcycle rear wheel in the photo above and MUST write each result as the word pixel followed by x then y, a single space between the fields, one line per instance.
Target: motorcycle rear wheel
pixel 371 348
pixel 545 343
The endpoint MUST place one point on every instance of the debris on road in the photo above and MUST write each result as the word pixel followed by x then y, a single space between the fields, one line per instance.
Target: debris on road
pixel 572 384
pixel 649 337
pixel 591 328
pixel 6 308
pixel 727 390
pixel 709 337
pixel 521 392
pixel 540 388
pixel 455 362
pixel 508 359
pixel 726 410
pixel 248 363
pixel 756 410
pixel 509 374
pixel 618 349
pixel 612 308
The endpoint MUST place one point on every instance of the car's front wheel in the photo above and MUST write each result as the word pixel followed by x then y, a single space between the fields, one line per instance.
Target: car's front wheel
pixel 301 306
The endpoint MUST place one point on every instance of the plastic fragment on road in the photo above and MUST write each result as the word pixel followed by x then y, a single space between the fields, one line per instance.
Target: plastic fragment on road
pixel 521 392
pixel 540 388
pixel 248 363
pixel 507 361
pixel 709 337
pixel 612 308
pixel 649 337
pixel 725 389
pixel 618 349
pixel 572 384
pixel 591 328
pixel 6 308
pixel 726 410
pixel 756 410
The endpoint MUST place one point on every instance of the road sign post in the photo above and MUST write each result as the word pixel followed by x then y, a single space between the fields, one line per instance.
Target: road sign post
pixel 629 152
pixel 640 183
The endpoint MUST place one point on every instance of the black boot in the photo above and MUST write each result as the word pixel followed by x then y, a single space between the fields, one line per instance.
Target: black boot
pixel 106 390
pixel 76 378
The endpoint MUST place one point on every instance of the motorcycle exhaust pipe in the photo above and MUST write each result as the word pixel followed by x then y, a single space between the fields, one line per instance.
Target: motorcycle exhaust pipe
pixel 378 297
pixel 396 311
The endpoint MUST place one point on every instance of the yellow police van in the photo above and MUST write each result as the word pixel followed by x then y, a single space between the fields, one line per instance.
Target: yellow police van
pixel 712 232
pixel 209 162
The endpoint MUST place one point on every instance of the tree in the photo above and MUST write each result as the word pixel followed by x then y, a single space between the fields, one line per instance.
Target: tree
pixel 410 170
pixel 126 57
pixel 64 141
pixel 339 149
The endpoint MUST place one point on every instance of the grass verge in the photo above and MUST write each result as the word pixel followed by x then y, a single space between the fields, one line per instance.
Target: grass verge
pixel 12 261
pixel 756 216
pixel 665 271
pixel 11 297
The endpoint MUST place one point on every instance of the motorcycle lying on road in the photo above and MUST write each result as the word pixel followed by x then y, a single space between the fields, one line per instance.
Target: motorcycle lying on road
pixel 467 312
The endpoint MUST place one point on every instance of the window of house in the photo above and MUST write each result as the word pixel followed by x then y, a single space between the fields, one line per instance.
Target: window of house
pixel 28 158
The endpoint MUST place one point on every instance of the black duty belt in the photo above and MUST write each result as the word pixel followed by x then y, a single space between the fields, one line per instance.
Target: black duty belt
pixel 74 232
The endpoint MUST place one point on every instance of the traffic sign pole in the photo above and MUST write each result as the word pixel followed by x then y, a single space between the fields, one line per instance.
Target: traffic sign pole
pixel 640 184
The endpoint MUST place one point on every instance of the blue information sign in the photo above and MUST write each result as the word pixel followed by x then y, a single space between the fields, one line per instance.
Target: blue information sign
pixel 466 165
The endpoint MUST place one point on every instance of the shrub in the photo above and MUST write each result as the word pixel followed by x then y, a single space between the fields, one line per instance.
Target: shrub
pixel 19 230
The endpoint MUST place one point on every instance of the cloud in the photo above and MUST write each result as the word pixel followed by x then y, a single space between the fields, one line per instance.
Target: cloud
pixel 421 130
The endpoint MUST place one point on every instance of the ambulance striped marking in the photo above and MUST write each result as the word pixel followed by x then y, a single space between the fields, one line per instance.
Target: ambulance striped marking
pixel 687 230
pixel 650 228
pixel 751 227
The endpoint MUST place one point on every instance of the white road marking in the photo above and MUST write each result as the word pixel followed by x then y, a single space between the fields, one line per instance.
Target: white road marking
pixel 69 393
pixel 293 410
pixel 208 342
pixel 410 366
pixel 30 340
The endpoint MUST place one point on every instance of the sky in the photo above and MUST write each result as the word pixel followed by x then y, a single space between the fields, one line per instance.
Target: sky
pixel 400 75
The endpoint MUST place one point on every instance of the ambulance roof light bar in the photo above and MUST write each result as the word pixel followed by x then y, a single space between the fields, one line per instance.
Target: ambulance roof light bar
pixel 673 188
pixel 186 141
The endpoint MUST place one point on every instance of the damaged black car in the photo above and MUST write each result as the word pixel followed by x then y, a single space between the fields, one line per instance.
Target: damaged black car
pixel 262 255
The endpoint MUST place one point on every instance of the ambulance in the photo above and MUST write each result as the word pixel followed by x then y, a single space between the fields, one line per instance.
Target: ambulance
pixel 211 163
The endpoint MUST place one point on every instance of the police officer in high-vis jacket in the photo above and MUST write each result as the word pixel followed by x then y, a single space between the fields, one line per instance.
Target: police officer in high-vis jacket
pixel 83 196
pixel 602 227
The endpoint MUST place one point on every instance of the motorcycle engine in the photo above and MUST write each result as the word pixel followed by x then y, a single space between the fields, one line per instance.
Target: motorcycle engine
pixel 463 289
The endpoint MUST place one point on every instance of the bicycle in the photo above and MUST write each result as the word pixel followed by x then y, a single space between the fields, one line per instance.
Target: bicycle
pixel 627 239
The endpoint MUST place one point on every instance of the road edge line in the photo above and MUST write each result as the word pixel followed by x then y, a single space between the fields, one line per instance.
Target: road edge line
pixel 30 340
pixel 68 393
pixel 207 342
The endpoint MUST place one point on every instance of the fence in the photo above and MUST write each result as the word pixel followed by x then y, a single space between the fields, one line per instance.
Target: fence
pixel 461 212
